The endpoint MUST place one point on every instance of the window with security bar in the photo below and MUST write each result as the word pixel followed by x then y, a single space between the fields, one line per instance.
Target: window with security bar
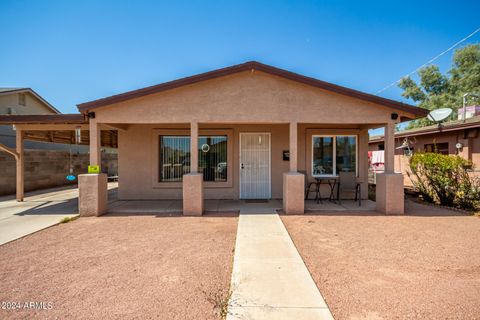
pixel 174 158
pixel 212 158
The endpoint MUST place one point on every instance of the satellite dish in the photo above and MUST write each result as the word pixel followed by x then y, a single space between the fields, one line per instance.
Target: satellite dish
pixel 439 114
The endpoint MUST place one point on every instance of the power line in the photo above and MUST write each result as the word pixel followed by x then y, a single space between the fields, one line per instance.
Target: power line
pixel 429 61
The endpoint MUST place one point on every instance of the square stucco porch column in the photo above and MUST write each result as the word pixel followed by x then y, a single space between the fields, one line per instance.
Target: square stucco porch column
pixel 293 181
pixel 193 182
pixel 389 189
pixel 92 200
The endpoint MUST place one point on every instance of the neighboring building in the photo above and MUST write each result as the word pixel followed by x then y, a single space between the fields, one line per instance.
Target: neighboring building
pixel 453 138
pixel 49 156
pixel 241 132
pixel 23 101
pixel 18 101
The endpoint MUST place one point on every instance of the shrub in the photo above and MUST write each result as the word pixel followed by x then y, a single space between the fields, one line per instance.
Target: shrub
pixel 445 180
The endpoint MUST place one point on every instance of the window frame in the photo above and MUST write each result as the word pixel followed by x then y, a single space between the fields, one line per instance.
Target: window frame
pixel 203 135
pixel 334 156
pixel 22 99
pixel 155 157
pixel 435 149
pixel 160 157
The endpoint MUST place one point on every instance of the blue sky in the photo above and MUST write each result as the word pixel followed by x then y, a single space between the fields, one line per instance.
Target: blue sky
pixel 75 51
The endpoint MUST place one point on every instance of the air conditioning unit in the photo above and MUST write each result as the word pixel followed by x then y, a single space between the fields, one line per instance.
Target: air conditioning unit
pixel 11 110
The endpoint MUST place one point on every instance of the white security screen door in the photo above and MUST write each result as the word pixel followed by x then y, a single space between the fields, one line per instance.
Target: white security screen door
pixel 255 166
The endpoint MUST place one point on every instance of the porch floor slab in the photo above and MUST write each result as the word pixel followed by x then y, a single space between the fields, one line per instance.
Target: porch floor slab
pixel 175 206
pixel 245 206
pixel 344 205
pixel 269 278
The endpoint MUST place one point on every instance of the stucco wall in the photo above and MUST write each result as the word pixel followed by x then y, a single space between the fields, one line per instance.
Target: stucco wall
pixel 48 168
pixel 245 98
pixel 136 168
pixel 138 158
pixel 32 104
pixel 475 144
pixel 247 101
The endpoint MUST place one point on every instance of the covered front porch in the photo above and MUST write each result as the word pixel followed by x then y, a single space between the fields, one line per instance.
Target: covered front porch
pixel 282 158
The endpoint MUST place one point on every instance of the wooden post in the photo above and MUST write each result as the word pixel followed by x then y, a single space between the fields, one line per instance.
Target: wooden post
pixel 20 164
pixel 95 144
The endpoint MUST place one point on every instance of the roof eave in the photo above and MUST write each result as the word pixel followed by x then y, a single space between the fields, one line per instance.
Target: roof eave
pixel 426 131
pixel 43 119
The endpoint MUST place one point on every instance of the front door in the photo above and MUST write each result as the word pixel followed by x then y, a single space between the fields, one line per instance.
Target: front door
pixel 255 175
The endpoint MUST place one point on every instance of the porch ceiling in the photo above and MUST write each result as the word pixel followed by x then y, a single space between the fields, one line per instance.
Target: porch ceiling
pixel 109 137
pixel 57 128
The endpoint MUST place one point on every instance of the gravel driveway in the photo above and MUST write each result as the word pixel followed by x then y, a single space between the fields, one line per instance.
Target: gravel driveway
pixel 425 265
pixel 122 267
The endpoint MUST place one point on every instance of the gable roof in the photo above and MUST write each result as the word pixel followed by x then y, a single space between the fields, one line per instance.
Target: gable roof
pixel 5 91
pixel 252 65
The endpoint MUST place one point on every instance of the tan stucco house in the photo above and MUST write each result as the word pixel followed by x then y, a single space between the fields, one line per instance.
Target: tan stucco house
pixel 241 132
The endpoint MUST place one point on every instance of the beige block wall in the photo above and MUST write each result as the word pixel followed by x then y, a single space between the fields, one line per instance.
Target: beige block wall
pixel 48 168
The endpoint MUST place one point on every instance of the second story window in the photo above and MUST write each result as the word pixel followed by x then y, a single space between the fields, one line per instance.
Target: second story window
pixel 21 99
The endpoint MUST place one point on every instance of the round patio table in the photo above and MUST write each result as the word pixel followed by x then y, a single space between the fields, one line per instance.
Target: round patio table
pixel 333 181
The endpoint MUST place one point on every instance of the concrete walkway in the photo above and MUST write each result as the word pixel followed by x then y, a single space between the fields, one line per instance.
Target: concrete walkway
pixel 39 210
pixel 269 278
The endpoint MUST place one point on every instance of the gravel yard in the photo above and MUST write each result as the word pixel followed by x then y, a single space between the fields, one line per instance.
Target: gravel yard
pixel 424 265
pixel 121 267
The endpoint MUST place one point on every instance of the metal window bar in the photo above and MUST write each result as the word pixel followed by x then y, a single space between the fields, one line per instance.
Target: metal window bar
pixel 174 158
pixel 213 158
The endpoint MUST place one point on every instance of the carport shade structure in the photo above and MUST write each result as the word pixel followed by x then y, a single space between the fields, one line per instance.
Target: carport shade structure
pixel 53 128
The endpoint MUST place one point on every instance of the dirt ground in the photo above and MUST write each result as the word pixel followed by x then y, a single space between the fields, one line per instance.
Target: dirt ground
pixel 424 265
pixel 121 267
